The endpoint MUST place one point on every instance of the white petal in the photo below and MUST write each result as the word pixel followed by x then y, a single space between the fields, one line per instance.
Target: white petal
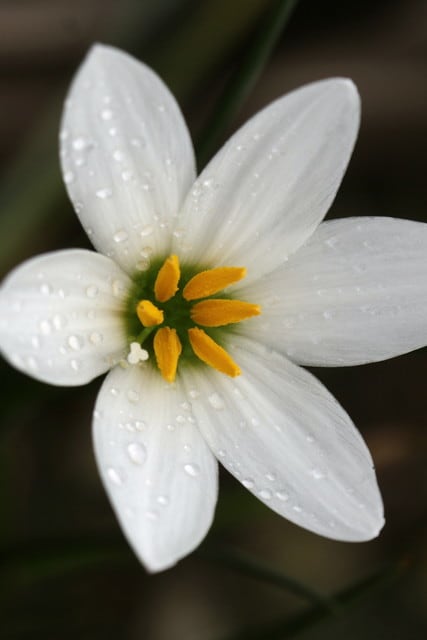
pixel 60 316
pixel 355 293
pixel 269 187
pixel 126 155
pixel 280 432
pixel 157 470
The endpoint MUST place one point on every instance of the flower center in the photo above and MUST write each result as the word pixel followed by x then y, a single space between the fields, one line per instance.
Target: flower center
pixel 177 322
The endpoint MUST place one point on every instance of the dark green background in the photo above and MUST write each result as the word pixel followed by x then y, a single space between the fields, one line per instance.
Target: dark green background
pixel 67 571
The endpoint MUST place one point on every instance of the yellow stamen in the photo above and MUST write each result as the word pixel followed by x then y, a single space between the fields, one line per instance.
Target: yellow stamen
pixel 206 283
pixel 210 352
pixel 218 312
pixel 167 280
pixel 148 314
pixel 167 349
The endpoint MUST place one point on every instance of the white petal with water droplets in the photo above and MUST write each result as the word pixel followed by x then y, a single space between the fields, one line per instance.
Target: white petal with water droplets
pixel 355 293
pixel 61 316
pixel 283 435
pixel 269 187
pixel 126 156
pixel 158 472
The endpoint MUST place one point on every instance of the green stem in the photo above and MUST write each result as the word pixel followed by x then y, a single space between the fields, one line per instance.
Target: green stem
pixel 144 334
pixel 248 566
pixel 241 83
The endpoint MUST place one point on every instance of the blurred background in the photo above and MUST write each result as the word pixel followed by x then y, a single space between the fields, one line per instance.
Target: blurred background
pixel 66 570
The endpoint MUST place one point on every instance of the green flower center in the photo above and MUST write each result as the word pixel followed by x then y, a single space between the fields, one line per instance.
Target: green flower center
pixel 178 313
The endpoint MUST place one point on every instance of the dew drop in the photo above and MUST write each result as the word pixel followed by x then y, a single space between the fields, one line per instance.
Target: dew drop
pixel 137 142
pixel 137 452
pixel 114 476
pixel 120 236
pixel 32 363
pixel 75 365
pixel 192 470
pixel 282 495
pixel 265 494
pixel 118 287
pixel 106 114
pixel 45 327
pixel 118 155
pixel 45 289
pixel 103 194
pixel 95 338
pixel 35 342
pixel 127 175
pixel 216 401
pixel 146 231
pixel 163 500
pixel 92 291
pixel 80 143
pixel 75 343
pixel 151 515
pixel 317 474
pixel 180 419
pixel 68 177
pixel 248 483
pixel 132 396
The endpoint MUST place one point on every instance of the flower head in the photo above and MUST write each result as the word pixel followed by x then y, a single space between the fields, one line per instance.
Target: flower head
pixel 206 296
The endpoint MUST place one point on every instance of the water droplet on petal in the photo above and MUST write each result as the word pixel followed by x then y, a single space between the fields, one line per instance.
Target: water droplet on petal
pixel 132 396
pixel 192 470
pixel 45 289
pixel 103 194
pixel 75 364
pixel 146 231
pixel 265 494
pixel 163 500
pixel 137 452
pixel 45 327
pixel 248 483
pixel 114 476
pixel 317 474
pixel 92 291
pixel 282 495
pixel 118 287
pixel 106 114
pixel 120 235
pixel 216 401
pixel 68 177
pixel 75 343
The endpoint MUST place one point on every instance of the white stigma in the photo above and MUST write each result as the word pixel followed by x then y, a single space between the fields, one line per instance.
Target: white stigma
pixel 136 353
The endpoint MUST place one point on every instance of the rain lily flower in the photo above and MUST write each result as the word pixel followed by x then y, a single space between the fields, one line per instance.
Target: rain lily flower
pixel 205 298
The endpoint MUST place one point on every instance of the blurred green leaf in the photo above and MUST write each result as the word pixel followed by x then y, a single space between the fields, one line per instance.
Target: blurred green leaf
pixel 290 627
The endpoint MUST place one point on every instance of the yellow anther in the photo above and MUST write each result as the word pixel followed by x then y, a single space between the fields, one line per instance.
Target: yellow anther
pixel 167 349
pixel 206 283
pixel 167 280
pixel 217 312
pixel 211 353
pixel 148 314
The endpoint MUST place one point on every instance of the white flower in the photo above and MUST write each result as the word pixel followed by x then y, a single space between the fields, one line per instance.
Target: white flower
pixel 330 293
